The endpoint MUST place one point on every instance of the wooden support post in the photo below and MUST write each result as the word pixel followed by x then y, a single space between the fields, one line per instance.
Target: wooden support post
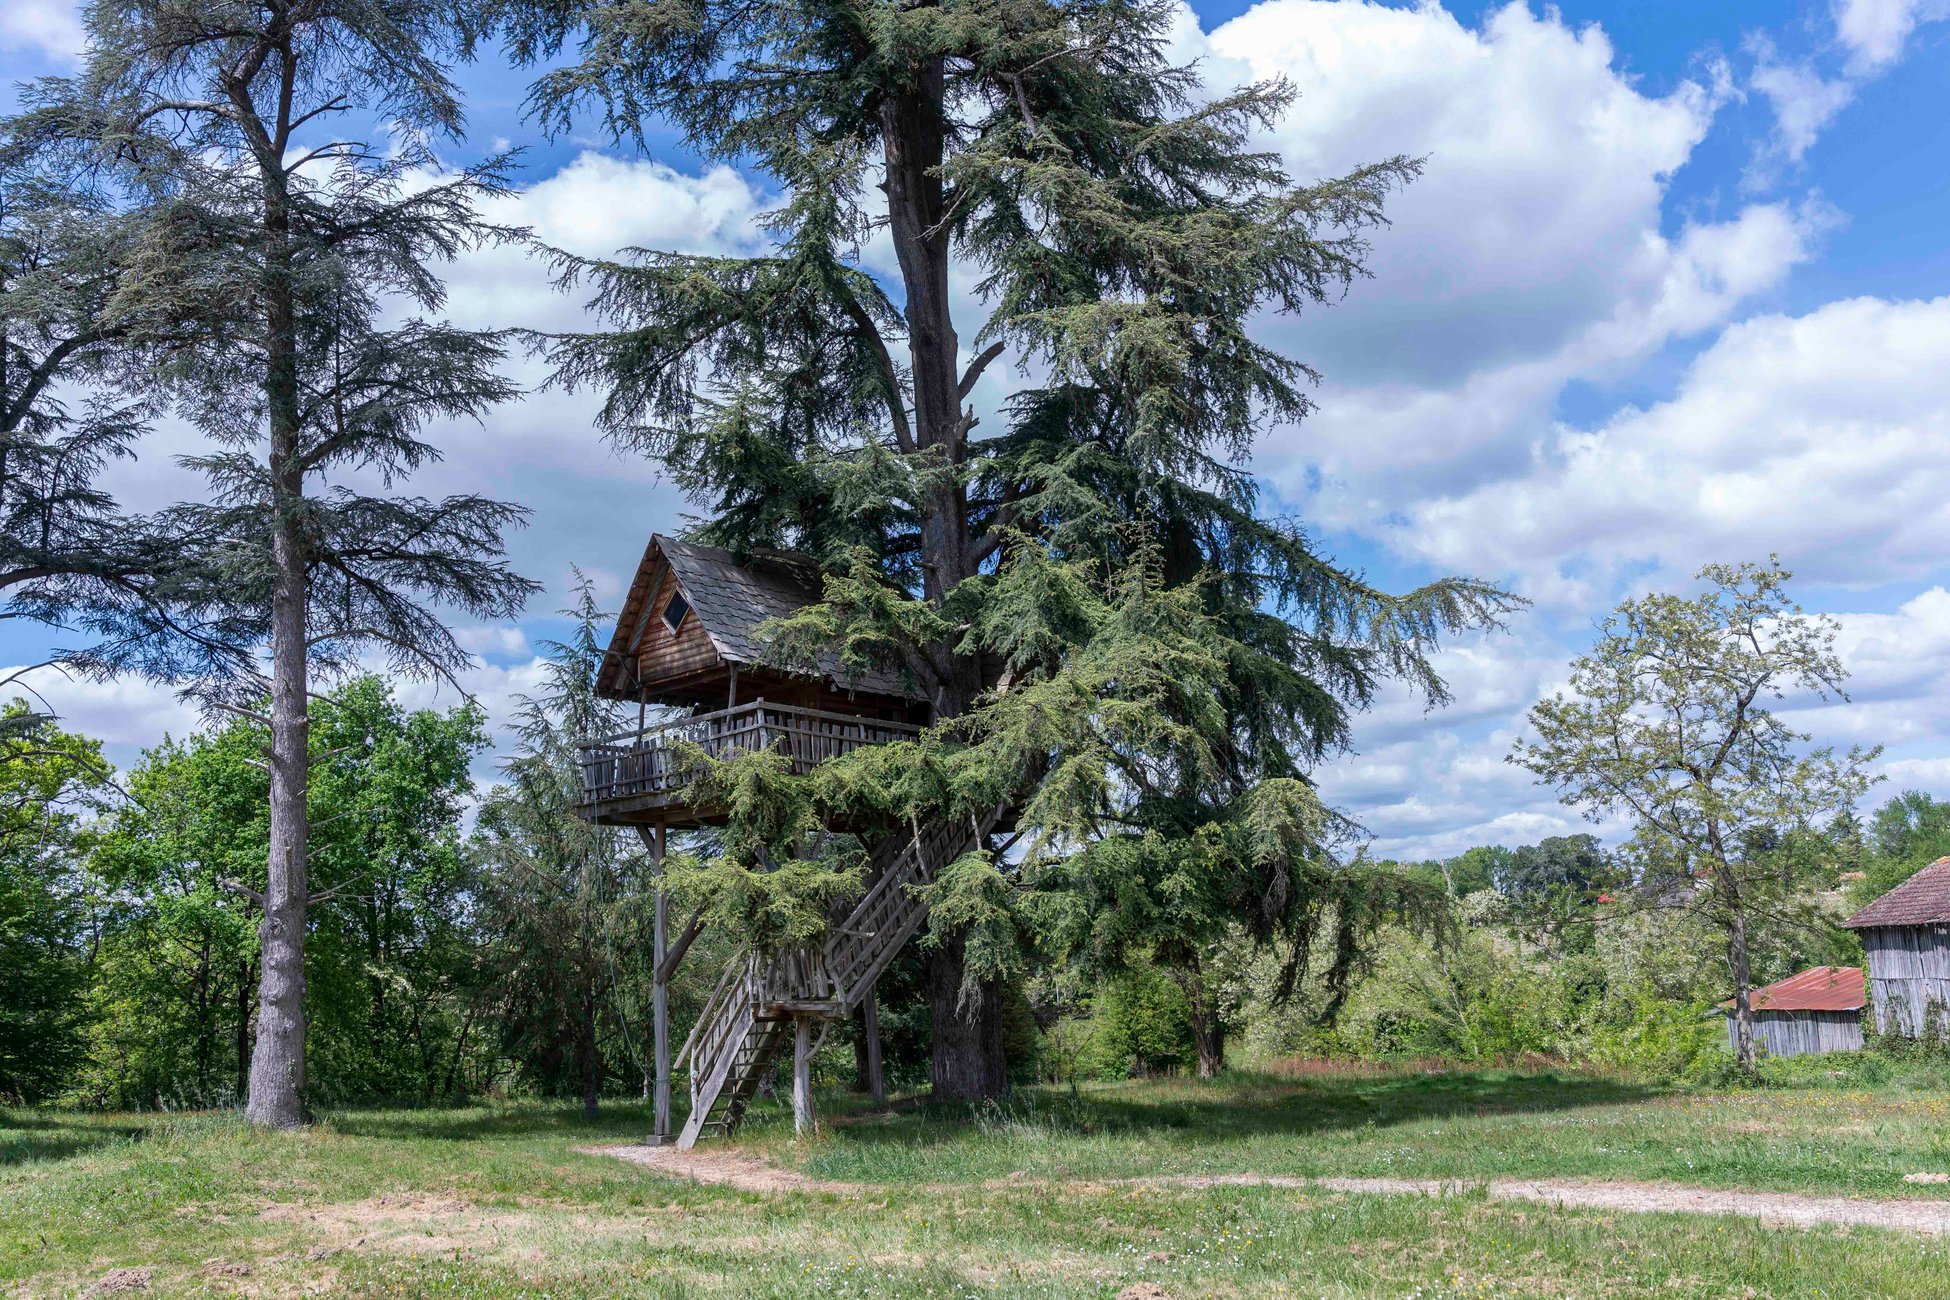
pixel 660 971
pixel 660 988
pixel 802 1107
pixel 870 1030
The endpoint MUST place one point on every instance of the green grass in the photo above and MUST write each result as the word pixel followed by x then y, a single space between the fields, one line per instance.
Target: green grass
pixel 494 1201
pixel 1463 1124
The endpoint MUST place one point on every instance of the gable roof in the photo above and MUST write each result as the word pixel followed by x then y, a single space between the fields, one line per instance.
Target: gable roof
pixel 1821 988
pixel 730 600
pixel 1923 899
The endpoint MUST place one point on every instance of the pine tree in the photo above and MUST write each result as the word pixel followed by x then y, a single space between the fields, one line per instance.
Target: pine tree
pixel 74 352
pixel 561 900
pixel 1088 596
pixel 301 243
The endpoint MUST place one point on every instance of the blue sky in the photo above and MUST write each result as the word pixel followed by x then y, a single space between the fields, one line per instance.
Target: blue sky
pixel 1672 290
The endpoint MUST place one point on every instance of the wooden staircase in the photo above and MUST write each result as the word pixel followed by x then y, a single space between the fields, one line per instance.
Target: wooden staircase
pixel 749 1016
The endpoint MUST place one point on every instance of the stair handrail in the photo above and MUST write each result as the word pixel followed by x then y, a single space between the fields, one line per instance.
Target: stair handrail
pixel 714 1009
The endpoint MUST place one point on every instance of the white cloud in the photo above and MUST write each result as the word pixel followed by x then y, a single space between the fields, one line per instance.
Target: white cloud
pixel 1535 250
pixel 51 26
pixel 1817 436
pixel 1874 31
pixel 126 714
pixel 1804 103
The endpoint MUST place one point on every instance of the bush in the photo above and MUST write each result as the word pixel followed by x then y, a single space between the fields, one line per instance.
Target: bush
pixel 1141 1024
pixel 1658 1039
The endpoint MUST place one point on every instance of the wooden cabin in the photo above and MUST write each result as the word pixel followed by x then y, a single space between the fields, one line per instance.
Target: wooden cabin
pixel 687 644
pixel 1906 939
pixel 687 641
pixel 1819 1010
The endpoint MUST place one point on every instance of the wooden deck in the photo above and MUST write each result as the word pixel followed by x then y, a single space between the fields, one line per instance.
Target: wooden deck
pixel 639 776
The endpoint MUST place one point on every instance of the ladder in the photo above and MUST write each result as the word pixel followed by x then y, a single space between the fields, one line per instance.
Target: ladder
pixel 748 1018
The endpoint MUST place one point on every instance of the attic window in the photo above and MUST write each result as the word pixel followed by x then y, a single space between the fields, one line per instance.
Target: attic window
pixel 674 612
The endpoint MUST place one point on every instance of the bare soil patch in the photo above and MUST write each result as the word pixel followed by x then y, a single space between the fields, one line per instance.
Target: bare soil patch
pixel 1792 1209
pixel 720 1168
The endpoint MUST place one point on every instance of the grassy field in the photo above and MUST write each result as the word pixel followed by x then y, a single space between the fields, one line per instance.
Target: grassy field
pixel 1006 1201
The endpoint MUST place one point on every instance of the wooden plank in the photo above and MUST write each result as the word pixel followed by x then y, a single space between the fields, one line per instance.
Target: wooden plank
pixel 870 1031
pixel 802 1110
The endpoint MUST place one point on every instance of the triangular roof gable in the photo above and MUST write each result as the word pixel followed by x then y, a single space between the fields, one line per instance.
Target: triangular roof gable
pixel 1923 899
pixel 730 600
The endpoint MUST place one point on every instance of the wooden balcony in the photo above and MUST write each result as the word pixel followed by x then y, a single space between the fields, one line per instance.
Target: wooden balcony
pixel 639 776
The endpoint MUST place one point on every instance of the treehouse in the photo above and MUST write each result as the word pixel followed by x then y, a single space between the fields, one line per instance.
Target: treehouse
pixel 686 642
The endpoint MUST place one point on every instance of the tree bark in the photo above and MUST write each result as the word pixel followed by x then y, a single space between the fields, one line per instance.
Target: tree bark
pixel 278 1062
pixel 1208 1030
pixel 1743 988
pixel 869 1073
pixel 587 1056
pixel 967 1039
pixel 968 1062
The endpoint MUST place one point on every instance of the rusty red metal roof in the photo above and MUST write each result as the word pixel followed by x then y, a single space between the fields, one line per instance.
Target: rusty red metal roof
pixel 1923 899
pixel 1821 988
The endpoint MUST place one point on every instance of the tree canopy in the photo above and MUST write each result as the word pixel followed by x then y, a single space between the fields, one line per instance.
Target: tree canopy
pixel 1129 658
pixel 1667 725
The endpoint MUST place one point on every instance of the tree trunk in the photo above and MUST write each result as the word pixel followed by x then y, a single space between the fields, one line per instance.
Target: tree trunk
pixel 1208 1030
pixel 246 976
pixel 592 1084
pixel 967 1039
pixel 968 1060
pixel 278 1062
pixel 869 1074
pixel 1743 989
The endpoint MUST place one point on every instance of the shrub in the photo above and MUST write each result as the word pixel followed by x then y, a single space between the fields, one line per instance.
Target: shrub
pixel 1140 1025
pixel 1656 1038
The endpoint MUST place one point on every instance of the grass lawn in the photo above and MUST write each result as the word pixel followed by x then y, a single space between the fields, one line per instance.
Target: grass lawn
pixel 1462 1124
pixel 497 1202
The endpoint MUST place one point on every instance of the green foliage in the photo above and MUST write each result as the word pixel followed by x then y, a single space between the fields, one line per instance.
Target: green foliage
pixel 1140 1024
pixel 1130 664
pixel 172 995
pixel 1471 1001
pixel 1666 724
pixel 563 906
pixel 49 781
pixel 1649 1036
pixel 1906 834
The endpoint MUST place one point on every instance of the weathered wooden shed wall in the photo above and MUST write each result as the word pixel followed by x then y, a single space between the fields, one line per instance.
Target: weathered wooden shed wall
pixel 1804 1033
pixel 1909 973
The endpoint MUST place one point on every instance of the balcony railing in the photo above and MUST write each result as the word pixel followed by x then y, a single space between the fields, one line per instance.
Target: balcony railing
pixel 633 763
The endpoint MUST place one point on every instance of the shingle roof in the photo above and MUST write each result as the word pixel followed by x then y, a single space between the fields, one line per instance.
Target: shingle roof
pixel 1822 988
pixel 732 598
pixel 1923 899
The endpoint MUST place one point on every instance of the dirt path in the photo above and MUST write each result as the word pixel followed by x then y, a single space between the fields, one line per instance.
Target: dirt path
pixel 1930 1217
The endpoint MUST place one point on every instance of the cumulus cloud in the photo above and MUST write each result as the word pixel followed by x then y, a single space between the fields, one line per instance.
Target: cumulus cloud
pixel 1804 103
pixel 1874 31
pixel 1818 436
pixel 1535 250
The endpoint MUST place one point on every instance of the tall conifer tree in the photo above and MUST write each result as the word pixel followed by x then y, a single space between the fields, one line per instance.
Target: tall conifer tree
pixel 75 352
pixel 302 238
pixel 1087 593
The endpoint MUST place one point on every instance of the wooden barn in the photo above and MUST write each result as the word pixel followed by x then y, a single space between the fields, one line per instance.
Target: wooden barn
pixel 1906 937
pixel 1819 1010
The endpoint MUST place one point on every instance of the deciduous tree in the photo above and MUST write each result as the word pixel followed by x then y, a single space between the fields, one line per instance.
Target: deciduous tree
pixel 1668 725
